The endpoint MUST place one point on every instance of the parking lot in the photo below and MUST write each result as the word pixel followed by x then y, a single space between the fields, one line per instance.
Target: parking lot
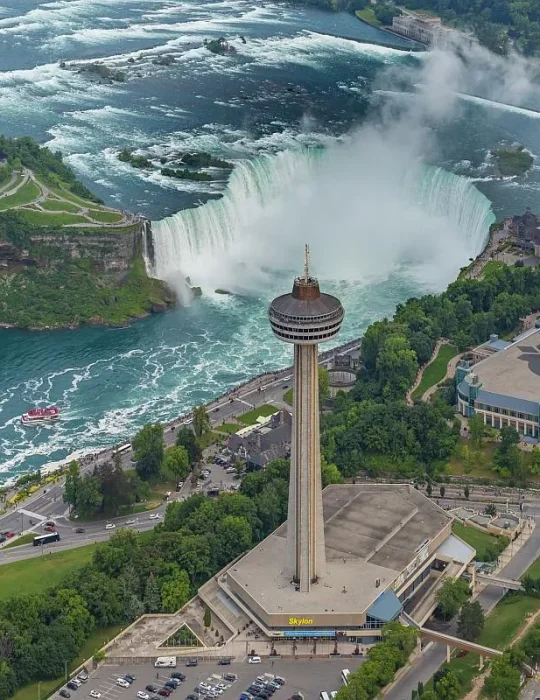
pixel 309 676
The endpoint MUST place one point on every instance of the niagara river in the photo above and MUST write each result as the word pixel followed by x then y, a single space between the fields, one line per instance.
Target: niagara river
pixel 335 139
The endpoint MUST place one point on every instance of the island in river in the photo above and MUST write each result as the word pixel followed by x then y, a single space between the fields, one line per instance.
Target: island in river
pixel 512 160
pixel 66 260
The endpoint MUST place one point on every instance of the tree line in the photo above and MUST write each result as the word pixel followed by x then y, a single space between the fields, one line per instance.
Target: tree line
pixel 371 428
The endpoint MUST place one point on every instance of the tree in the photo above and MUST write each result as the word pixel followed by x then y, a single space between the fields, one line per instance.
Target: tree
pixel 449 687
pixel 201 421
pixel 396 366
pixel 450 597
pixel 330 474
pixel 476 430
pixel 531 645
pixel 149 450
pixel 429 488
pixel 442 490
pixel 72 483
pixel 490 509
pixel 185 437
pixel 471 621
pixel 175 591
pixel 89 499
pixel 466 492
pixel 152 596
pixel 177 462
pixel 503 682
pixel 324 384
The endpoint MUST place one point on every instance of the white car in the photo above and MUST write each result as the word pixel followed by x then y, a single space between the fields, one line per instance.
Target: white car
pixel 144 696
pixel 154 516
pixel 122 681
pixel 110 526
pixel 95 693
pixel 254 660
pixel 230 470
pixel 131 522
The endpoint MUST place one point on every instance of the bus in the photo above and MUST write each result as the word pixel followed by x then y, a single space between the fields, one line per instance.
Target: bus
pixel 45 539
pixel 345 676
pixel 324 695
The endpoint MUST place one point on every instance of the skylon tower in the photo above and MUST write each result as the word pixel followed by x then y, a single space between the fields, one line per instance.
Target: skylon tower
pixel 305 318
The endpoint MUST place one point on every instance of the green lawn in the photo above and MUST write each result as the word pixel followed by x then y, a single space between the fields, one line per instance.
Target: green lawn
pixel 436 370
pixel 57 205
pixel 288 396
pixel 37 574
pixel 368 15
pixel 26 194
pixel 491 266
pixel 250 418
pixel 97 640
pixel 106 217
pixel 534 569
pixel 25 539
pixel 479 540
pixel 41 218
pixel 230 428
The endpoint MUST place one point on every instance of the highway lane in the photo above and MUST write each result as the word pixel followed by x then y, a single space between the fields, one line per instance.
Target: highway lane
pixel 435 654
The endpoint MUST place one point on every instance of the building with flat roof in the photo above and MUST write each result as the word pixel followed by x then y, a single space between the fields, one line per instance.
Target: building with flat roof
pixel 504 387
pixel 382 544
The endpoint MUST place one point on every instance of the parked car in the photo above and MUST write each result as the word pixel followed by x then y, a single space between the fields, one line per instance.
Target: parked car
pixel 151 688
pixel 175 681
pixel 141 694
pixel 180 676
pixel 64 693
pixel 254 660
pixel 231 677
pixel 192 662
pixel 224 662
pixel 9 535
pixel 129 678
pixel 164 692
pixel 122 682
pixel 191 697
pixel 170 685
pixel 80 530
pixel 72 686
pixel 110 526
pixel 3 538
pixel 95 694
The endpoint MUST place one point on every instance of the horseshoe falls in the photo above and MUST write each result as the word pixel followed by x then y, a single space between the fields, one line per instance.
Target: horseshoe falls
pixel 365 225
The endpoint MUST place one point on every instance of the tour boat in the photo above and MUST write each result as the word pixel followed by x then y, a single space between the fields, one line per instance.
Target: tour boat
pixel 40 415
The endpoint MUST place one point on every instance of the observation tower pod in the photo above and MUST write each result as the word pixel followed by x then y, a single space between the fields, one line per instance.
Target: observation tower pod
pixel 305 318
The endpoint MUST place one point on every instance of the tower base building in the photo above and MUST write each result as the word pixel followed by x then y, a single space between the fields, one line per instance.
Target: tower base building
pixel 382 544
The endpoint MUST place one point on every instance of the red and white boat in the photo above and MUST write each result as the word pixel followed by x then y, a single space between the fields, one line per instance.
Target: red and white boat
pixel 36 416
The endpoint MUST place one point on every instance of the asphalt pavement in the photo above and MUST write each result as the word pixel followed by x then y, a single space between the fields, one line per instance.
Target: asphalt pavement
pixel 307 675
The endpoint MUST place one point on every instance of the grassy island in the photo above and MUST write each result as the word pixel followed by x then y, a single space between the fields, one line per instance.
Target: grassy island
pixel 66 259
pixel 512 160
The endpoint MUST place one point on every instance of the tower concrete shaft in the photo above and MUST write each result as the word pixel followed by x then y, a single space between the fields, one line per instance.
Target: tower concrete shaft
pixel 306 559
pixel 305 318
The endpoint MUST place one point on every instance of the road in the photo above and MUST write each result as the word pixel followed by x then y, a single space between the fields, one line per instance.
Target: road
pixel 48 504
pixel 435 654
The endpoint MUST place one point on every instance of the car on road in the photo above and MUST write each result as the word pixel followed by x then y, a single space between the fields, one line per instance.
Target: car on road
pixel 231 677
pixel 122 682
pixel 154 516
pixel 230 470
pixel 95 694
pixel 80 530
pixel 110 526
pixel 192 662
pixel 64 693
pixel 224 662
pixel 254 660
pixel 131 522
pixel 49 523
pixel 151 688
pixel 144 696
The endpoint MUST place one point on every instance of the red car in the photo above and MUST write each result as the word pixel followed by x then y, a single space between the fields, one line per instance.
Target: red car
pixel 50 528
pixel 9 534
pixel 164 692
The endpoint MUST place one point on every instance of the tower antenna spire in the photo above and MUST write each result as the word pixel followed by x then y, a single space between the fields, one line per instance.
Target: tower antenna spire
pixel 306 263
